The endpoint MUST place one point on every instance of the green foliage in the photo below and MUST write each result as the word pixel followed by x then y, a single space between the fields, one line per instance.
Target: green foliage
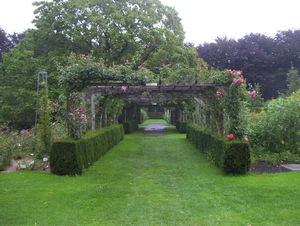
pixel 144 115
pixel 5 155
pixel 181 126
pixel 256 102
pixel 130 126
pixel 293 79
pixel 17 90
pixel 82 69
pixel 70 157
pixel 231 156
pixel 275 129
pixel 44 125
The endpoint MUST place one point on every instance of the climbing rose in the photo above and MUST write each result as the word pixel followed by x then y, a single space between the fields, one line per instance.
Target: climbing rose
pixel 71 114
pixel 230 136
pixel 83 55
pixel 218 93
pixel 82 116
pixel 123 88
pixel 245 139
pixel 232 72
pixel 252 94
pixel 127 61
pixel 238 81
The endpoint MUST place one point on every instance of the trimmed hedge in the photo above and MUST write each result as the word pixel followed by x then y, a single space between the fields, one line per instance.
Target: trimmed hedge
pixel 231 156
pixel 181 126
pixel 71 157
pixel 130 126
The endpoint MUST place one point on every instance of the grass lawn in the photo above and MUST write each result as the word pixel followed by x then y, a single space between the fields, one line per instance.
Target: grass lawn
pixel 148 180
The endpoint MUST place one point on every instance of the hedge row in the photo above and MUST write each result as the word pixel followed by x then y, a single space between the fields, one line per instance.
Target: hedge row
pixel 231 156
pixel 181 126
pixel 70 157
pixel 130 126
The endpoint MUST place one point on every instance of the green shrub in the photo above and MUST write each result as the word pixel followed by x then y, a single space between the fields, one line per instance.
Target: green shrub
pixel 231 156
pixel 144 115
pixel 237 157
pixel 130 126
pixel 63 158
pixel 275 129
pixel 181 126
pixel 70 157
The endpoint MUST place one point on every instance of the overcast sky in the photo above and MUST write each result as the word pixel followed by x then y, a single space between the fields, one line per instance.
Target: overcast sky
pixel 203 20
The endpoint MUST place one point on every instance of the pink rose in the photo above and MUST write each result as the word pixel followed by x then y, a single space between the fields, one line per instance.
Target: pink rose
pixel 218 93
pixel 123 88
pixel 245 139
pixel 252 94
pixel 230 136
pixel 71 114
pixel 229 71
pixel 238 81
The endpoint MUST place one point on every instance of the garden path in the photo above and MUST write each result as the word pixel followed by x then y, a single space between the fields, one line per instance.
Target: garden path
pixel 155 129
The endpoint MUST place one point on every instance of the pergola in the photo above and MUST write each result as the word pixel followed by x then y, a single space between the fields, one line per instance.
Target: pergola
pixel 149 94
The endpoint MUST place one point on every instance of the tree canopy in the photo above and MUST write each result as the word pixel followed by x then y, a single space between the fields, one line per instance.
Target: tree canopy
pixel 114 30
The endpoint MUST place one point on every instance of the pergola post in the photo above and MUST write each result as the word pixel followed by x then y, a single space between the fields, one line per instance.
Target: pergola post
pixel 84 110
pixel 105 117
pixel 93 112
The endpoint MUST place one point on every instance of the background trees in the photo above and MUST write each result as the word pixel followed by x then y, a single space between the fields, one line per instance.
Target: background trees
pixel 8 41
pixel 264 60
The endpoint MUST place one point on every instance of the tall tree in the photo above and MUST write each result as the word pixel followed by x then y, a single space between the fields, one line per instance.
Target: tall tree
pixel 18 86
pixel 5 43
pixel 219 54
pixel 114 30
pixel 288 48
